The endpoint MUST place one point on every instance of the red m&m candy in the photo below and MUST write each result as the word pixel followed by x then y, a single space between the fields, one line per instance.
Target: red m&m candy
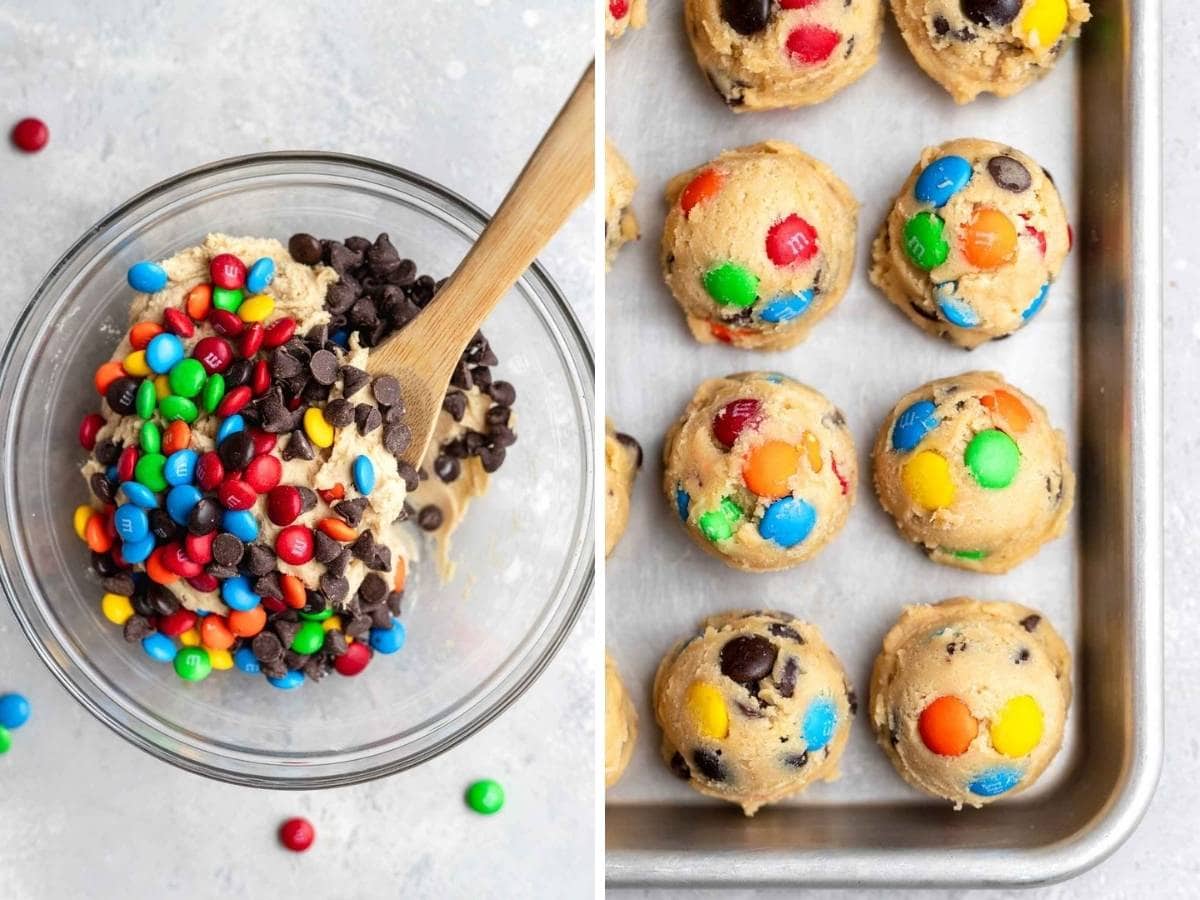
pixel 812 44
pixel 284 504
pixel 263 473
pixel 30 135
pixel 297 834
pixel 214 353
pixel 791 240
pixel 734 418
pixel 354 660
pixel 295 545
pixel 703 187
pixel 227 271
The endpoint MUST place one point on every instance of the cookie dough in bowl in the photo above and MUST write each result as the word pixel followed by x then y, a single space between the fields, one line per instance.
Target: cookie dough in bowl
pixel 971 47
pixel 622 459
pixel 766 54
pixel 758 245
pixel 620 724
pixel 753 709
pixel 969 699
pixel 620 224
pixel 620 15
pixel 761 470
pixel 971 468
pixel 973 243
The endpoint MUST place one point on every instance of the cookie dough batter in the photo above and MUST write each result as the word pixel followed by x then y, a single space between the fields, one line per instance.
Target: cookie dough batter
pixel 973 243
pixel 971 47
pixel 620 724
pixel 971 468
pixel 969 698
pixel 622 459
pixel 620 224
pixel 758 245
pixel 761 470
pixel 753 709
pixel 765 54
pixel 619 15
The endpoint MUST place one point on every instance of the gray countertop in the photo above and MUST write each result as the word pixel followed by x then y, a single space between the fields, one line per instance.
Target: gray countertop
pixel 458 90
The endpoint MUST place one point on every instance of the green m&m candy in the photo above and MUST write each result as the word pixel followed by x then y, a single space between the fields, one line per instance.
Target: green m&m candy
pixel 146 399
pixel 214 392
pixel 486 797
pixel 309 639
pixel 970 554
pixel 925 241
pixel 993 458
pixel 732 285
pixel 174 408
pixel 5 740
pixel 718 524
pixel 228 299
pixel 193 664
pixel 187 377
pixel 149 471
pixel 317 616
pixel 150 438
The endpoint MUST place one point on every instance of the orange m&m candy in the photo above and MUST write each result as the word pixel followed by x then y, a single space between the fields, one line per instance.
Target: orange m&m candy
pixel 769 467
pixel 947 726
pixel 990 239
pixel 248 623
pixel 293 591
pixel 199 302
pixel 177 437
pixel 703 187
pixel 106 375
pixel 215 633
pixel 142 333
pixel 1009 408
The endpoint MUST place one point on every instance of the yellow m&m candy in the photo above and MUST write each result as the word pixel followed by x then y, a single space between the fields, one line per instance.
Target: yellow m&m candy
pixel 256 308
pixel 706 707
pixel 1018 727
pixel 80 519
pixel 319 431
pixel 926 480
pixel 116 609
pixel 1043 23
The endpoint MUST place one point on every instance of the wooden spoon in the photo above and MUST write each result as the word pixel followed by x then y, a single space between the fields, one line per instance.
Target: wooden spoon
pixel 557 178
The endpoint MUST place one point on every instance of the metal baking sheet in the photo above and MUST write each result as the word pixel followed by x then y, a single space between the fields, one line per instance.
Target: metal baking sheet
pixel 1092 358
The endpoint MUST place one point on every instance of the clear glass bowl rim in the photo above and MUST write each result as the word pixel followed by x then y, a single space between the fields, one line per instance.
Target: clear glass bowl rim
pixel 578 350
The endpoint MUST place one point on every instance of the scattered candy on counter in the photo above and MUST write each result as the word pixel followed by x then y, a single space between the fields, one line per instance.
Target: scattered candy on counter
pixel 486 797
pixel 30 135
pixel 297 834
pixel 14 712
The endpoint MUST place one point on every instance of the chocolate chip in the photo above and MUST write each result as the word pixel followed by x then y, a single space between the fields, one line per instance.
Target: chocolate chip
pixel 335 587
pixel 339 413
pixel 163 527
pixel 785 631
pixel 680 768
pixel 353 379
pixel 284 365
pixel 396 438
pixel 276 417
pixel 430 518
pixel 386 390
pixel 316 337
pixel 259 558
pixel 382 257
pixel 492 458
pixel 236 451
pixel 304 248
pixel 395 600
pixel 991 13
pixel 298 447
pixel 364 547
pixel 363 314
pixel 409 473
pixel 268 586
pixel 324 367
pixel 286 630
pixel 275 668
pixel 708 764
pixel 1009 174
pixel 137 628
pixel 367 418
pixel 204 516
pixel 630 442
pixel 1030 622
pixel 337 565
pixel 341 296
pixel 382 561
pixel 462 376
pixel 373 589
pixel 482 376
pixel 1022 656
pixel 315 669
pixel 797 762
pixel 747 658
pixel 308 498
pixel 228 550
pixel 786 685
pixel 447 468
pixel 501 436
pixel 162 601
pixel 325 548
pixel 423 289
pixel 335 643
pixel 941 26
pixel 238 374
pixel 394 415
pixel 342 257
pixel 104 564
pixel 358 626
pixel 380 617
pixel 503 393
pixel 751 712
pixel 351 511
pixel 295 661
pixel 499 415
pixel 455 403
pixel 107 452
pixel 746 17
pixel 216 570
pixel 851 700
pixel 121 584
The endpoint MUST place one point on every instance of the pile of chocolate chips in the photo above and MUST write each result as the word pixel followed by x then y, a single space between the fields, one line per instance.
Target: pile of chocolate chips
pixel 377 294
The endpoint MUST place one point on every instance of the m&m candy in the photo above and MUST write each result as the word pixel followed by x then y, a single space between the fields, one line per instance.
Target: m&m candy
pixel 297 834
pixel 947 726
pixel 706 707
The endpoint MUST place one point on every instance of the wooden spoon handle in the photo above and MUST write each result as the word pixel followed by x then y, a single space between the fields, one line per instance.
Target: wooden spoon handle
pixel 558 177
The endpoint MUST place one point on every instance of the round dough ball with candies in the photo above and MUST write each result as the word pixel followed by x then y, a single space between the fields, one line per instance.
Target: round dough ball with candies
pixel 753 709
pixel 971 468
pixel 969 699
pixel 973 243
pixel 758 245
pixel 761 470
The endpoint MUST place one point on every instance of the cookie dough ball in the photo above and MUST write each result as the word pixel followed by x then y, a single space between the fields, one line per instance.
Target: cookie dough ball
pixel 621 14
pixel 620 224
pixel 969 699
pixel 971 47
pixel 622 459
pixel 753 709
pixel 972 468
pixel 764 54
pixel 620 724
pixel 973 243
pixel 758 245
pixel 761 470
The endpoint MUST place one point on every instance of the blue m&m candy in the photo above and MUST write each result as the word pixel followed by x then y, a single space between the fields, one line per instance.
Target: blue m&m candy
pixel 180 467
pixel 788 521
pixel 388 640
pixel 139 495
pixel 260 275
pixel 913 424
pixel 784 309
pixel 14 711
pixel 238 595
pixel 683 503
pixel 955 309
pixel 820 722
pixel 159 647
pixel 941 180
pixel 181 500
pixel 363 471
pixel 138 551
pixel 232 425
pixel 995 781
pixel 288 682
pixel 147 277
pixel 241 523
pixel 1038 302
pixel 163 352
pixel 246 661
pixel 131 522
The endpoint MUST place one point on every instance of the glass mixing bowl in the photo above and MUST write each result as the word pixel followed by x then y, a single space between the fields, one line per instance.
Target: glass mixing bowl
pixel 524 553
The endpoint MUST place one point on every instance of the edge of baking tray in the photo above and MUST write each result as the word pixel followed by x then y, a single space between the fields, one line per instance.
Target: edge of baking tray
pixel 1106 831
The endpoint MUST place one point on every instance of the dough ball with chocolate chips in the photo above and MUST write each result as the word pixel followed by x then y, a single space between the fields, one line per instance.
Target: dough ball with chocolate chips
pixel 620 724
pixel 622 459
pixel 973 243
pixel 971 468
pixel 753 709
pixel 766 54
pixel 969 698
pixel 761 470
pixel 758 245
pixel 971 47
pixel 620 224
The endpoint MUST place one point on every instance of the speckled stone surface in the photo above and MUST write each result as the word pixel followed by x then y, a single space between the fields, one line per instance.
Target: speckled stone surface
pixel 1162 858
pixel 459 90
